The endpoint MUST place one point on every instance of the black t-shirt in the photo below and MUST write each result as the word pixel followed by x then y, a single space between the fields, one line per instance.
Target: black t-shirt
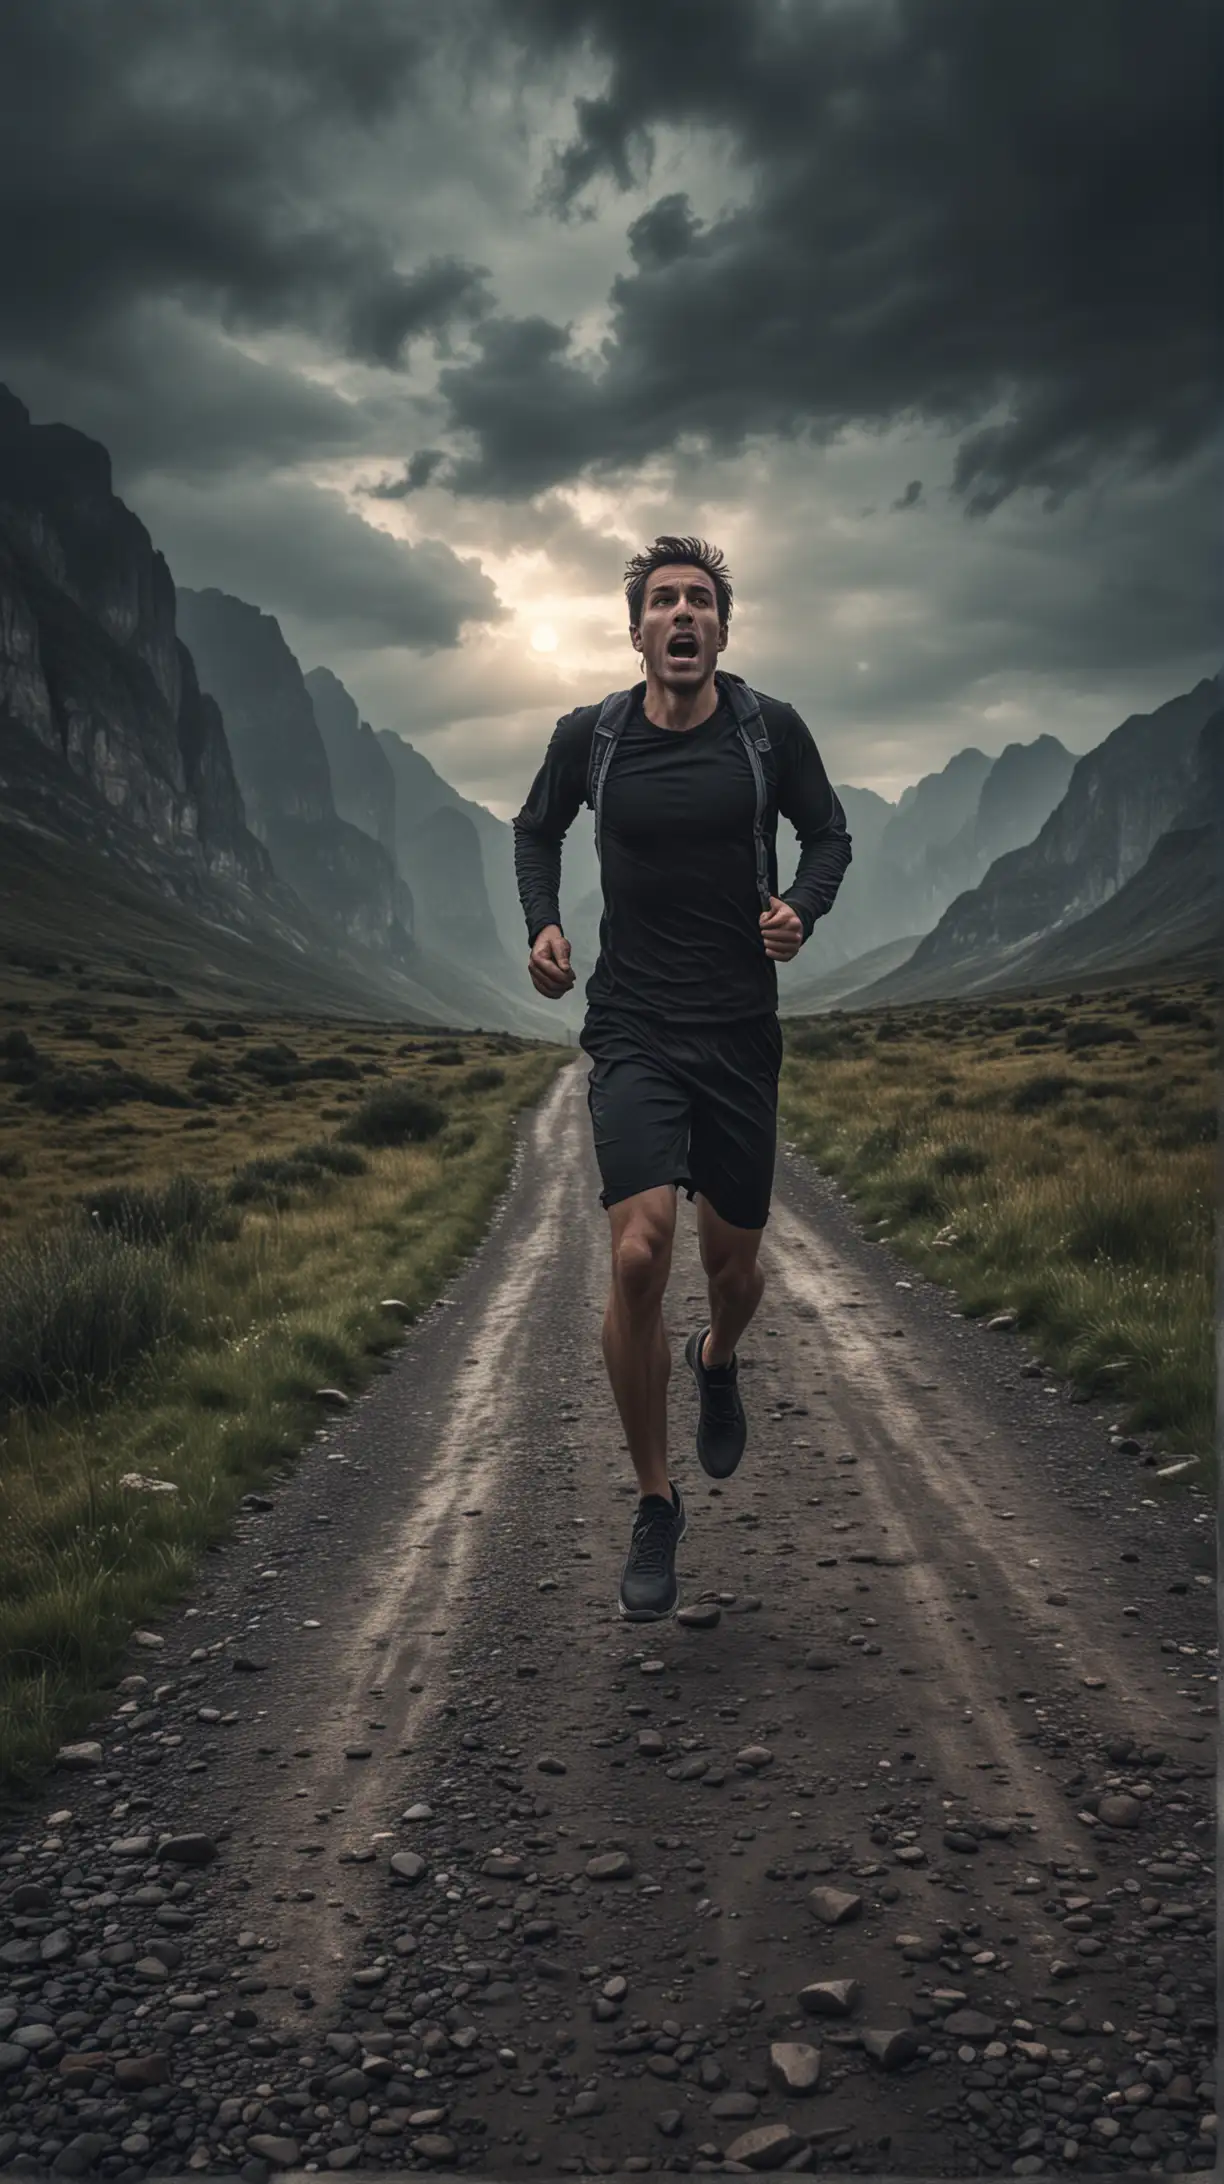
pixel 680 935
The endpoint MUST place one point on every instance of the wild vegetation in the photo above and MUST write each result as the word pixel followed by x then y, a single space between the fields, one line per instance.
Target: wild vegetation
pixel 200 1218
pixel 1055 1157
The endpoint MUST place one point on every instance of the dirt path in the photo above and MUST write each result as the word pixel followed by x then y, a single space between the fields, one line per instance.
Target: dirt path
pixel 952 1624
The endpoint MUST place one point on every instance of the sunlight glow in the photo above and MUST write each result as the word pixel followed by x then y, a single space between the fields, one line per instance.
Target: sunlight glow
pixel 544 638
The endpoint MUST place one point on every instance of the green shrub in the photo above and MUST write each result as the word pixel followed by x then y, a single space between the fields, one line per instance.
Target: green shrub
pixel 331 1065
pixel 458 1138
pixel 1192 1126
pixel 881 1143
pixel 961 1160
pixel 397 1114
pixel 272 1180
pixel 1099 1031
pixel 184 1212
pixel 1037 1092
pixel 274 1064
pixel 1034 1038
pixel 79 1307
pixel 485 1079
pixel 84 1091
pixel 447 1055
pixel 20 1060
pixel 825 1041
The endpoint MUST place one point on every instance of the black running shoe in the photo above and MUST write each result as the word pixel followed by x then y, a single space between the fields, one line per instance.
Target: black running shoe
pixel 648 1588
pixel 722 1428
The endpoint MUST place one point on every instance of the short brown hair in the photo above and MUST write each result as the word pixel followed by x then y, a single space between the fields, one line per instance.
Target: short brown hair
pixel 693 553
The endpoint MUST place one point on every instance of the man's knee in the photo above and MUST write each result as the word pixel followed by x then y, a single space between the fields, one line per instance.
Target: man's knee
pixel 641 1261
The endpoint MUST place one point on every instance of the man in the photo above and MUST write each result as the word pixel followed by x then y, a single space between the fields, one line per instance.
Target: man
pixel 686 777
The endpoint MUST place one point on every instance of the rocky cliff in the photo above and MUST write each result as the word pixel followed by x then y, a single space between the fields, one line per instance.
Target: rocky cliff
pixel 91 662
pixel 448 884
pixel 1121 799
pixel 363 783
pixel 341 873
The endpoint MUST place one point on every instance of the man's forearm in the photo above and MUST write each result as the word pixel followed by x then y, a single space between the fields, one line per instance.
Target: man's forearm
pixel 822 866
pixel 537 869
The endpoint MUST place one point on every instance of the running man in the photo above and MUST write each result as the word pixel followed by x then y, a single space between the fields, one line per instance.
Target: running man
pixel 686 774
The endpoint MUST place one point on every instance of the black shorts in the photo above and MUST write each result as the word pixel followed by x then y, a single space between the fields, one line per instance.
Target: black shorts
pixel 695 1105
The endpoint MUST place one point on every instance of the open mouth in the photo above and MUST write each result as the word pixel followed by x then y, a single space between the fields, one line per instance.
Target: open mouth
pixel 682 648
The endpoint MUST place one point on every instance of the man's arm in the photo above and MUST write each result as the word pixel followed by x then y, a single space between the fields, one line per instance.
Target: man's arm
pixel 540 827
pixel 812 805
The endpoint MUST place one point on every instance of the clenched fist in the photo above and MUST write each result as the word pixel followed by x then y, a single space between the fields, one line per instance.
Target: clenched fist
pixel 549 963
pixel 781 930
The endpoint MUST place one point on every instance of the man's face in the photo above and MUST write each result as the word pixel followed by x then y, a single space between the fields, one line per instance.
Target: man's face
pixel 680 635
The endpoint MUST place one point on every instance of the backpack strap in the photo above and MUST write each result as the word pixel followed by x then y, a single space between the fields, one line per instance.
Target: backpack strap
pixel 754 735
pixel 613 714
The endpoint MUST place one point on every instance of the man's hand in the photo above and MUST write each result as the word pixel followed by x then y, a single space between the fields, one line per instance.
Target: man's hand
pixel 549 963
pixel 781 930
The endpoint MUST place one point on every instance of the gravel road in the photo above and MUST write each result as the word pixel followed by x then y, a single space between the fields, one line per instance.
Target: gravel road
pixel 893 1856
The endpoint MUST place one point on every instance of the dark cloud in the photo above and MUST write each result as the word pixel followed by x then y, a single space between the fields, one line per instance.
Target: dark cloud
pixel 419 471
pixel 166 392
pixel 300 553
pixel 1002 220
pixel 169 150
pixel 911 496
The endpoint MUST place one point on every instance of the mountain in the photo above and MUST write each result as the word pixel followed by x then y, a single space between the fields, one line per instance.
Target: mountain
pixel 942 805
pixel 342 874
pixel 363 784
pixel 1122 797
pixel 1023 786
pixel 1172 909
pixel 421 793
pixel 448 883
pixel 863 917
pixel 825 989
pixel 124 842
pixel 348 879
pixel 1025 783
pixel 92 667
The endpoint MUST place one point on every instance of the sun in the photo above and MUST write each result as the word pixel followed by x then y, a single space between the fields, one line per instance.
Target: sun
pixel 544 638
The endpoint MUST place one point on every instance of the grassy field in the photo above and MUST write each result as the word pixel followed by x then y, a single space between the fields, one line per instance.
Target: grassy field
pixel 199 1218
pixel 1055 1157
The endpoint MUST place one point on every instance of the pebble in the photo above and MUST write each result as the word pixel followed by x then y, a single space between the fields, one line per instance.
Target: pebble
pixel 1120 1811
pixel 795 2066
pixel 753 1758
pixel 766 2148
pixel 834 1905
pixel 703 1615
pixel 610 1865
pixel 831 1997
pixel 189 1850
pixel 79 1756
pixel 890 2049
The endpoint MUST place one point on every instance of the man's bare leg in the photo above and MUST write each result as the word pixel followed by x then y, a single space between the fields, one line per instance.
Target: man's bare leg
pixel 736 1283
pixel 635 1347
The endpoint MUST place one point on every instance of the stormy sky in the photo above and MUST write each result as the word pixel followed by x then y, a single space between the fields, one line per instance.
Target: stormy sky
pixel 410 320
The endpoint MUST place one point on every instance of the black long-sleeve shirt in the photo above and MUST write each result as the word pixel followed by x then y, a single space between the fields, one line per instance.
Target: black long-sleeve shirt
pixel 680 935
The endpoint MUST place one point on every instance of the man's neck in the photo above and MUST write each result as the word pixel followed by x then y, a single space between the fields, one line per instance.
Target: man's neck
pixel 679 709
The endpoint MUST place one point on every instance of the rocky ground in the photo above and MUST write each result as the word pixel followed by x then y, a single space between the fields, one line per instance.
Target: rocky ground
pixel 892 1854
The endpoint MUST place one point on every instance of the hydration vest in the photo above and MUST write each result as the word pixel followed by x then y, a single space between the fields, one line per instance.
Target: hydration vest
pixel 745 704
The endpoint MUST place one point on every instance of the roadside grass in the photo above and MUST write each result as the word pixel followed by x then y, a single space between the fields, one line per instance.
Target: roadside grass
pixel 175 1322
pixel 1055 1157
